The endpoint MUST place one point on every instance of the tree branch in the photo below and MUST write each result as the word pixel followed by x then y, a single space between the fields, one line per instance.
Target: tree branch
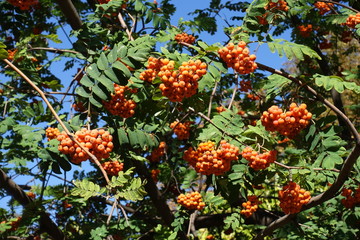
pixel 55 50
pixel 69 11
pixel 19 195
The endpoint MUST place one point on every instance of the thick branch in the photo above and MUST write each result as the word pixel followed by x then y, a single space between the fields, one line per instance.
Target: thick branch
pixel 155 195
pixel 69 11
pixel 19 195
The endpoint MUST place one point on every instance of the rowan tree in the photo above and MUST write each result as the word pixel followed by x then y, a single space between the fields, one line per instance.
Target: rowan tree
pixel 162 134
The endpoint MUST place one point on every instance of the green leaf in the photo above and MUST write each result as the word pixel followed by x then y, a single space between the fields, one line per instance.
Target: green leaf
pixel 122 51
pixel 55 167
pixel 291 50
pixel 113 54
pixel 82 92
pixel 134 192
pixel 122 68
pixel 133 137
pixel 275 84
pixel 3 54
pixel 171 237
pixel 102 62
pixel 123 137
pixel 331 160
pixel 93 71
pixel 99 233
pixel 111 74
pixel 99 92
pixel 336 82
pixel 137 157
pixel 86 189
pixel 106 82
pixel 63 163
pixel 29 112
pixel 203 45
pixel 95 102
pixel 86 81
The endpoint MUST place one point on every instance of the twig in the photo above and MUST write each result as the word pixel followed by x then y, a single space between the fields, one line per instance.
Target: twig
pixel 234 91
pixel 191 226
pixel 111 212
pixel 72 82
pixel 56 116
pixel 340 4
pixel 211 98
pixel 55 50
pixel 61 93
pixel 123 25
pixel 315 169
pixel 124 213
pixel 69 182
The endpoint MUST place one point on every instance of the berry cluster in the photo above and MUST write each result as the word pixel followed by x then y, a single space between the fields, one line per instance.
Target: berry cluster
pixel 353 20
pixel 238 58
pixel 97 142
pixel 259 161
pixel 184 38
pixel 119 105
pixel 182 130
pixel 182 83
pixel 288 123
pixel 280 5
pixel 209 160
pixel 52 133
pixel 323 7
pixel 191 201
pixel 352 198
pixel 153 68
pixel 157 153
pixel 292 198
pixel 251 205
pixel 154 174
pixel 23 4
pixel 305 30
pixel 112 168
